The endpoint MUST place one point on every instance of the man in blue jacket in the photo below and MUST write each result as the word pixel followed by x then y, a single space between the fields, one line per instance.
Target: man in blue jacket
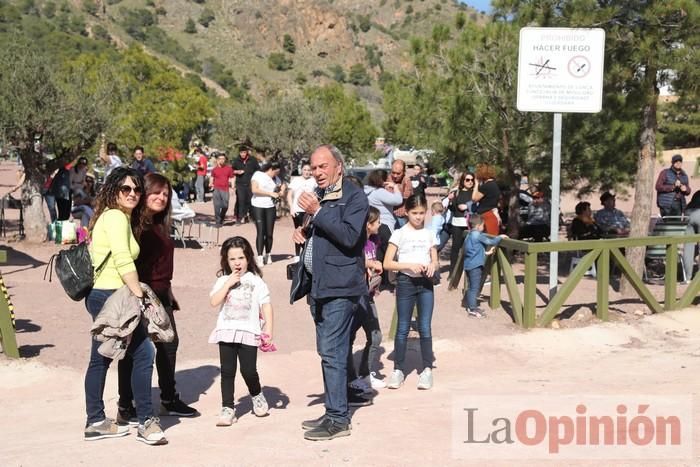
pixel 334 258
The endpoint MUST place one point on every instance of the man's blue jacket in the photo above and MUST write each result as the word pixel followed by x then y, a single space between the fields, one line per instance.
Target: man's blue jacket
pixel 339 233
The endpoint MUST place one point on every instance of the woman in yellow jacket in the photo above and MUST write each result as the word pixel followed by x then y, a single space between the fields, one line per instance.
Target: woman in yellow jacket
pixel 118 199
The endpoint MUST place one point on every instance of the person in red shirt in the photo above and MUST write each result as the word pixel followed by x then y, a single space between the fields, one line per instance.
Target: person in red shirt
pixel 202 163
pixel 221 174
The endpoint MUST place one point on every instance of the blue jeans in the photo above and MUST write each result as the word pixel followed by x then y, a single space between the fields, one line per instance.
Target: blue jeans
pixel 409 292
pixel 51 204
pixel 474 287
pixel 141 351
pixel 199 186
pixel 333 318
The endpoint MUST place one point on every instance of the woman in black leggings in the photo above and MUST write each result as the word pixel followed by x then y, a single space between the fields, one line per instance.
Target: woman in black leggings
pixel 299 185
pixel 267 189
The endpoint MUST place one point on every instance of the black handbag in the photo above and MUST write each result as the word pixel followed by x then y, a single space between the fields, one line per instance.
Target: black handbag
pixel 74 270
pixel 301 279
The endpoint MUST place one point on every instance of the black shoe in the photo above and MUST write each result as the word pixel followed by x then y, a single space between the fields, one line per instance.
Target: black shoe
pixel 328 430
pixel 355 391
pixel 311 424
pixel 127 416
pixel 355 400
pixel 177 408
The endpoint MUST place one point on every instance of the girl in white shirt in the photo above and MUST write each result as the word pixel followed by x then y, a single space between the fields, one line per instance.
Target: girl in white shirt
pixel 267 189
pixel 412 252
pixel 243 299
pixel 305 183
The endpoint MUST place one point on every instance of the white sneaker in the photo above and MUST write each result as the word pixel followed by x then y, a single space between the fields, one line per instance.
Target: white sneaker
pixel 395 380
pixel 260 261
pixel 151 432
pixel 260 407
pixel 268 259
pixel 375 382
pixel 361 385
pixel 226 417
pixel 295 259
pixel 425 380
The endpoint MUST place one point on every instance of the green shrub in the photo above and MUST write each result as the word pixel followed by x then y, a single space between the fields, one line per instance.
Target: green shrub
pixel 90 7
pixel 460 20
pixel 288 44
pixel 358 75
pixel 317 73
pixel 206 17
pixel 300 79
pixel 190 27
pixel 409 9
pixel 279 61
pixel 337 73
pixel 161 11
pixel 364 23
pixel 49 10
pixel 100 33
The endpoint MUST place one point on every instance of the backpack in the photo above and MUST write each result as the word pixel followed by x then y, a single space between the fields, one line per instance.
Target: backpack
pixel 74 270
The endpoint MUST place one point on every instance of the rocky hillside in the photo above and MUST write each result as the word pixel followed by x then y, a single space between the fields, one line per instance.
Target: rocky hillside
pixel 261 46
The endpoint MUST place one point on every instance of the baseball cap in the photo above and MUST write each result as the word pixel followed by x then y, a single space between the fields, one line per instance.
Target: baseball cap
pixel 676 158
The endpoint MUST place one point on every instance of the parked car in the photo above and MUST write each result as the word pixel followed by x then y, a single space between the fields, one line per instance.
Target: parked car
pixel 360 172
pixel 412 156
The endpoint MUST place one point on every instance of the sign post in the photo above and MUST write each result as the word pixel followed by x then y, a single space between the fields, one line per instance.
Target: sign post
pixel 559 70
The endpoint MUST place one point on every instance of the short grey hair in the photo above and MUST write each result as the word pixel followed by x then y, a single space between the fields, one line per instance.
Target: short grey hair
pixel 335 152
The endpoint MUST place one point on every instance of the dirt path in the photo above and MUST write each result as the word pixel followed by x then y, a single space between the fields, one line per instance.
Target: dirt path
pixel 42 394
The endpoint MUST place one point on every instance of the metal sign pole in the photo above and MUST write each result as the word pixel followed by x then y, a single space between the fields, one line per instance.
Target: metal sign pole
pixel 554 216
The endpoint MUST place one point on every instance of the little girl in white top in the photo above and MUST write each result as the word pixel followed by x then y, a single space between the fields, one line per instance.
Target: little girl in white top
pixel 412 252
pixel 243 298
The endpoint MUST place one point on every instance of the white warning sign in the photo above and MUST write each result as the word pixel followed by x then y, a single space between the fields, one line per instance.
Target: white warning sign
pixel 560 70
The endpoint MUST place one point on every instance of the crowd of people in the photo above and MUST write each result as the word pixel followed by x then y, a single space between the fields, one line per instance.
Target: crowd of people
pixel 349 238
pixel 352 238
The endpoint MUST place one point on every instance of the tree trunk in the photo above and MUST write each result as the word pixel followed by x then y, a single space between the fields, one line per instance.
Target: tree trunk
pixel 644 183
pixel 34 219
pixel 32 199
pixel 513 227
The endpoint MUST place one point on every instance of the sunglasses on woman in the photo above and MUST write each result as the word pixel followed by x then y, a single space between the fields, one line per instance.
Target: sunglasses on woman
pixel 126 189
pixel 468 179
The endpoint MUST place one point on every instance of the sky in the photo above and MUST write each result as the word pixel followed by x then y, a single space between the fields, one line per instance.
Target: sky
pixel 480 5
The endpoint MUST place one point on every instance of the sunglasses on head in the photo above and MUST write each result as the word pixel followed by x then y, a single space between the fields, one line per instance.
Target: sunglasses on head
pixel 126 189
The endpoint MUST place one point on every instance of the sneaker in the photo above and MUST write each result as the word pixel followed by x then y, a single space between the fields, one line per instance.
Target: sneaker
pixel 260 261
pixel 268 259
pixel 105 429
pixel 177 408
pixel 260 407
pixel 395 380
pixel 475 312
pixel 361 384
pixel 425 379
pixel 311 424
pixel 127 416
pixel 295 259
pixel 227 417
pixel 327 430
pixel 151 432
pixel 355 400
pixel 374 382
